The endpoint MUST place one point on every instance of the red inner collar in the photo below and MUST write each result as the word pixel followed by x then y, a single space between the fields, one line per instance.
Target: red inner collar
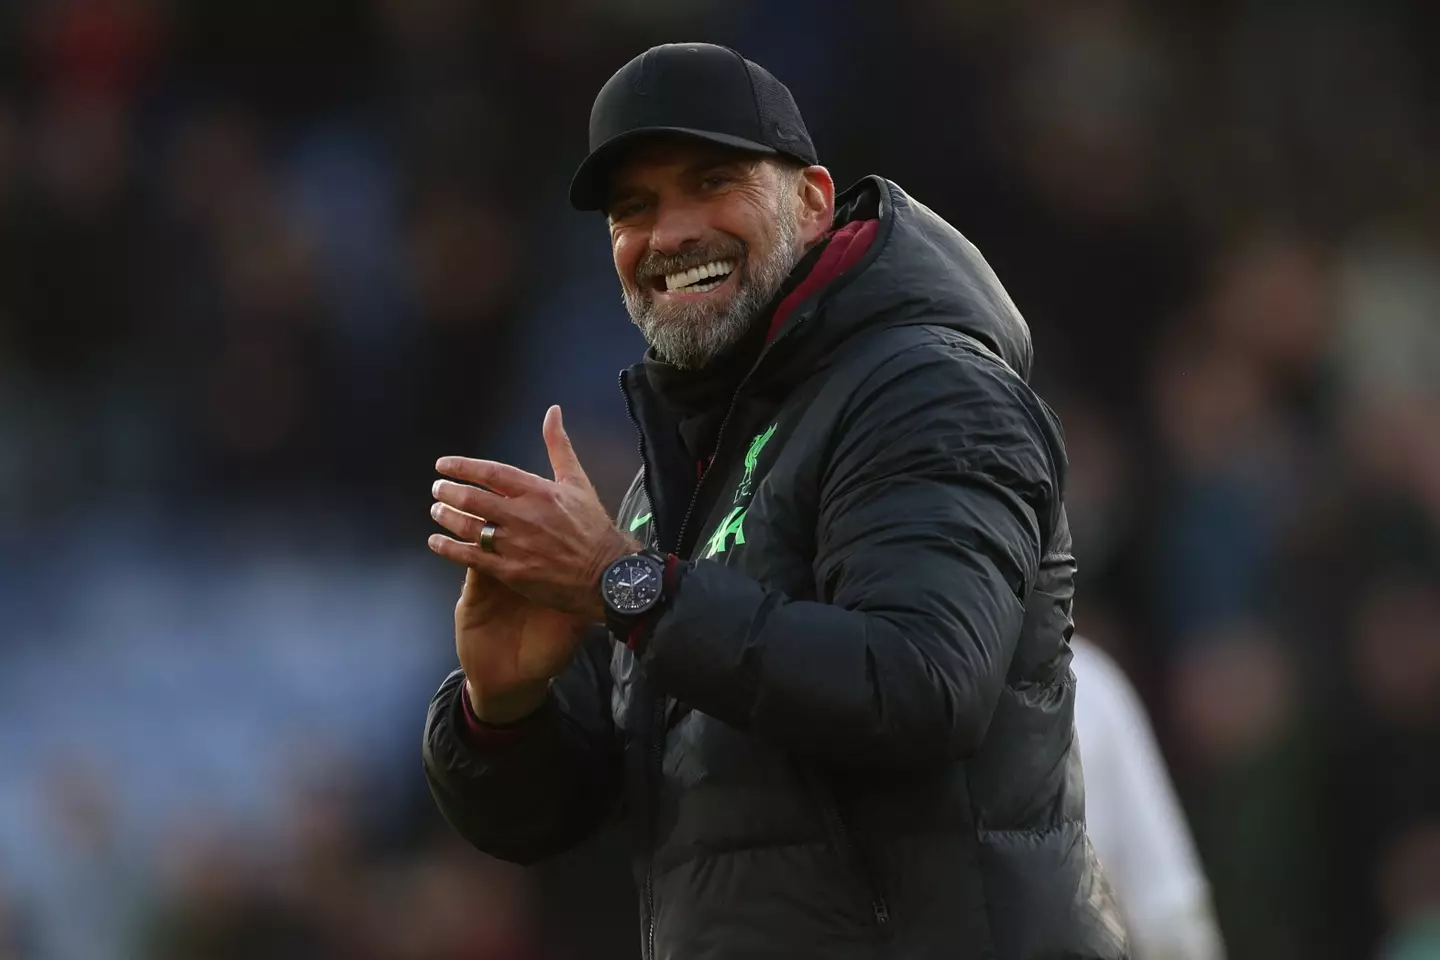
pixel 847 245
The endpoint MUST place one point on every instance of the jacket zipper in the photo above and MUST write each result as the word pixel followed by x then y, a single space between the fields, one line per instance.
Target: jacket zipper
pixel 850 854
pixel 657 755
pixel 699 484
pixel 657 742
pixel 657 735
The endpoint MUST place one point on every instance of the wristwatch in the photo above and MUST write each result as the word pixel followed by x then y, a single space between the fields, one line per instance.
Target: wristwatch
pixel 633 587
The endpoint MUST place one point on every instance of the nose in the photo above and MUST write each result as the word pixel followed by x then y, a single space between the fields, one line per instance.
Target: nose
pixel 677 226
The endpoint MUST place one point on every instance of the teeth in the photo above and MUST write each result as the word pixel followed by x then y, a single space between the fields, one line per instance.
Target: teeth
pixel 690 279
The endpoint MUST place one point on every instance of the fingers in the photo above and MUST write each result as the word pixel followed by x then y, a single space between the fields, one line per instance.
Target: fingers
pixel 500 477
pixel 467 526
pixel 562 454
pixel 452 549
pixel 465 554
pixel 471 500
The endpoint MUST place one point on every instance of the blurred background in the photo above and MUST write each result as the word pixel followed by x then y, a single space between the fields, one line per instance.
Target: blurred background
pixel 262 261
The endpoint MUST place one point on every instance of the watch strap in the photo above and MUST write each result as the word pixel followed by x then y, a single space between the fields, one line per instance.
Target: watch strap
pixel 644 624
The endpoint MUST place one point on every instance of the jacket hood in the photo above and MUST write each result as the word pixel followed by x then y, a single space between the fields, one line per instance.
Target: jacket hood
pixel 919 270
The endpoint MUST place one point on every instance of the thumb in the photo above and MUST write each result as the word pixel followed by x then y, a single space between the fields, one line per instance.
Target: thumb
pixel 562 455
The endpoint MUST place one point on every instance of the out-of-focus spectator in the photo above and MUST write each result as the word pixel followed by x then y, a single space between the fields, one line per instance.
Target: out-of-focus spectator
pixel 218 902
pixel 1409 880
pixel 453 904
pixel 1134 818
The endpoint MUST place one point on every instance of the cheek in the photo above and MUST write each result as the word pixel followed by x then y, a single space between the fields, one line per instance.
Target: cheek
pixel 755 224
pixel 626 250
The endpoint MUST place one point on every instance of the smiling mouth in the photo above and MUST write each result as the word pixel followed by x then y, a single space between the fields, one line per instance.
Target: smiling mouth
pixel 701 279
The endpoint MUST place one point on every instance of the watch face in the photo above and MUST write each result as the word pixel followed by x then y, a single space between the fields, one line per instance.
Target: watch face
pixel 632 585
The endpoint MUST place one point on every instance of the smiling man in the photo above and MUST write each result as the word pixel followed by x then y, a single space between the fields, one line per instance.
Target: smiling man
pixel 691 312
pixel 820 661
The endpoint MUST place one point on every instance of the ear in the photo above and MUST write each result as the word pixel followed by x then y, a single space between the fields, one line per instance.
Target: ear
pixel 816 189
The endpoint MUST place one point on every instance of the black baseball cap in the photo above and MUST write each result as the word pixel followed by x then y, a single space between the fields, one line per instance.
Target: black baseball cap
pixel 695 90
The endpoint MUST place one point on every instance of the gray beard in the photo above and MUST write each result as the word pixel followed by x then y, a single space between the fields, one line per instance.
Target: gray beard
pixel 691 335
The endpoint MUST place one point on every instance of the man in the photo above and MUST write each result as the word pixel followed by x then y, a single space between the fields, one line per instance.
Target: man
pixel 1135 819
pixel 821 662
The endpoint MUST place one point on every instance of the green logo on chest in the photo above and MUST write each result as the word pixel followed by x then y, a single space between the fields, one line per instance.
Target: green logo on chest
pixel 732 528
pixel 752 457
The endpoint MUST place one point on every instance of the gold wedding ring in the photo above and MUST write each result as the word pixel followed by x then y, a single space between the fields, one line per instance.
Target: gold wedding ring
pixel 487 538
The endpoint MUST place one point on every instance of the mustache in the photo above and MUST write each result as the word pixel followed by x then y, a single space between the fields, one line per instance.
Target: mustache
pixel 659 264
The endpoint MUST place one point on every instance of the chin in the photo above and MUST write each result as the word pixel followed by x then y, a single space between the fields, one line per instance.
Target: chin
pixel 690 315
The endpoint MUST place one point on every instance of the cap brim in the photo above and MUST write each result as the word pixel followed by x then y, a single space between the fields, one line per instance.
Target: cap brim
pixel 591 183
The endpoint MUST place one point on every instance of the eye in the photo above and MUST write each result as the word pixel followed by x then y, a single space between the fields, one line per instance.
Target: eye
pixel 627 210
pixel 714 181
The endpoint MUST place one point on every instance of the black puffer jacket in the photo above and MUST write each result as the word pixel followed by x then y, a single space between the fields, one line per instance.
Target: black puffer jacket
pixel 850 735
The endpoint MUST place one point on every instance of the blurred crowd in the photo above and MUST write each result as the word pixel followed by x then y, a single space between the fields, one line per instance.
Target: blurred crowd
pixel 262 262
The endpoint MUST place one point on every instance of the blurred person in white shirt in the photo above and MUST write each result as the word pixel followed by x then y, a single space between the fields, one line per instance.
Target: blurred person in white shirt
pixel 1134 818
